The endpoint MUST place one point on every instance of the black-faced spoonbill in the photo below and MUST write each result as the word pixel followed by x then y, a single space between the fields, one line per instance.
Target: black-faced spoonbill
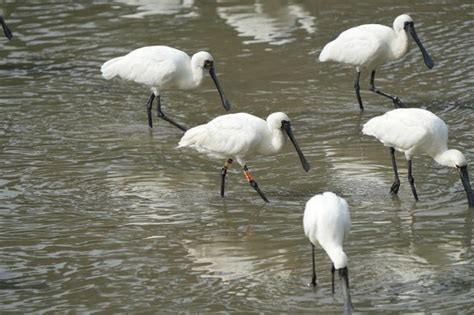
pixel 160 68
pixel 417 131
pixel 239 136
pixel 327 222
pixel 370 46
pixel 6 30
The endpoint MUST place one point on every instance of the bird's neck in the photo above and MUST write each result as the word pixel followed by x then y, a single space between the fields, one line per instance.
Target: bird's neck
pixel 399 45
pixel 197 73
pixel 278 139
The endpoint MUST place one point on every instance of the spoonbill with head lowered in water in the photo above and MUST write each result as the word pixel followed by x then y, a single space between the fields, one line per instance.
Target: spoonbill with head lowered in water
pixel 6 30
pixel 327 222
pixel 370 46
pixel 415 131
pixel 239 136
pixel 162 67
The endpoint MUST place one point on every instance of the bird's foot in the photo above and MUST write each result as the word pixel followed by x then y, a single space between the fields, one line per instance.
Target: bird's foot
pixel 397 103
pixel 312 284
pixel 394 188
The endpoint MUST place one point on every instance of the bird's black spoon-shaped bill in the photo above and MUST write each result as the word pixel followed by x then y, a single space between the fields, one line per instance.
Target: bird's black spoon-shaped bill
pixel 224 100
pixel 6 29
pixel 467 185
pixel 344 276
pixel 426 57
pixel 287 127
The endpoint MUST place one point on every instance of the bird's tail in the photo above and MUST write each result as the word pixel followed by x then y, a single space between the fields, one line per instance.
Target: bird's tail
pixel 325 53
pixel 111 68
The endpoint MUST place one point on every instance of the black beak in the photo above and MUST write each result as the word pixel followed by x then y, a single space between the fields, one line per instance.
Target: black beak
pixel 410 27
pixel 344 276
pixel 467 185
pixel 224 100
pixel 287 127
pixel 6 29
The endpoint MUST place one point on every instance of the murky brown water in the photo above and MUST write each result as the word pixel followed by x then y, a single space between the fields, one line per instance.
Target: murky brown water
pixel 98 213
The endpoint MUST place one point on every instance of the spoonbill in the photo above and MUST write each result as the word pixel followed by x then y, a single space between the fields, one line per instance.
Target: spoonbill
pixel 162 67
pixel 327 222
pixel 6 30
pixel 416 131
pixel 369 46
pixel 241 135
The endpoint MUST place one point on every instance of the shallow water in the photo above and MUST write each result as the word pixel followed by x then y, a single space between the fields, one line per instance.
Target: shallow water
pixel 99 213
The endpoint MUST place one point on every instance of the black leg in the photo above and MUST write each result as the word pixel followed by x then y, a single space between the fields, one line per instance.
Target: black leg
pixel 396 183
pixel 313 278
pixel 412 181
pixel 333 270
pixel 148 109
pixel 227 164
pixel 253 183
pixel 164 117
pixel 396 101
pixel 357 89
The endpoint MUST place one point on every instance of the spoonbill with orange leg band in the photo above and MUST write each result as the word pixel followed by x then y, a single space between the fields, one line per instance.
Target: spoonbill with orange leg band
pixel 416 131
pixel 369 46
pixel 160 68
pixel 239 136
pixel 327 222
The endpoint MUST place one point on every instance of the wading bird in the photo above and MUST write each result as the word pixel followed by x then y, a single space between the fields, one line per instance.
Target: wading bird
pixel 6 30
pixel 416 131
pixel 239 136
pixel 370 46
pixel 327 222
pixel 161 68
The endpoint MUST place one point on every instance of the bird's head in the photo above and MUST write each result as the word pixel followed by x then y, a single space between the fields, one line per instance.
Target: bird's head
pixel 203 59
pixel 276 120
pixel 405 23
pixel 281 121
pixel 454 158
pixel 401 22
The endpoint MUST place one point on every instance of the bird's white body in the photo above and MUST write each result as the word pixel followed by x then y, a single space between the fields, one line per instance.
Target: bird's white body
pixel 327 222
pixel 415 131
pixel 158 67
pixel 237 135
pixel 369 45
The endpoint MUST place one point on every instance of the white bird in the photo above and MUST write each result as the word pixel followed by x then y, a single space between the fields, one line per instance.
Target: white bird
pixel 239 136
pixel 162 67
pixel 6 30
pixel 369 46
pixel 327 222
pixel 417 131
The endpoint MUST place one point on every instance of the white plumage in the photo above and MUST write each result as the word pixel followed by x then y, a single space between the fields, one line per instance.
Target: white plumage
pixel 327 222
pixel 158 67
pixel 415 131
pixel 370 46
pixel 161 68
pixel 239 136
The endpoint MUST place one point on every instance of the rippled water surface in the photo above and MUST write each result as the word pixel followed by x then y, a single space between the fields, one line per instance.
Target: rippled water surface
pixel 99 213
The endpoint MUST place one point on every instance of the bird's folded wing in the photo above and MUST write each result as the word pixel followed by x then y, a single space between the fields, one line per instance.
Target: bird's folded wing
pixel 402 133
pixel 145 69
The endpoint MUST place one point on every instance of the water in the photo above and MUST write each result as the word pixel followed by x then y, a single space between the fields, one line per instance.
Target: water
pixel 99 213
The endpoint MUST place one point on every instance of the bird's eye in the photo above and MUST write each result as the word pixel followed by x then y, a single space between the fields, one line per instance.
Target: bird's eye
pixel 207 63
